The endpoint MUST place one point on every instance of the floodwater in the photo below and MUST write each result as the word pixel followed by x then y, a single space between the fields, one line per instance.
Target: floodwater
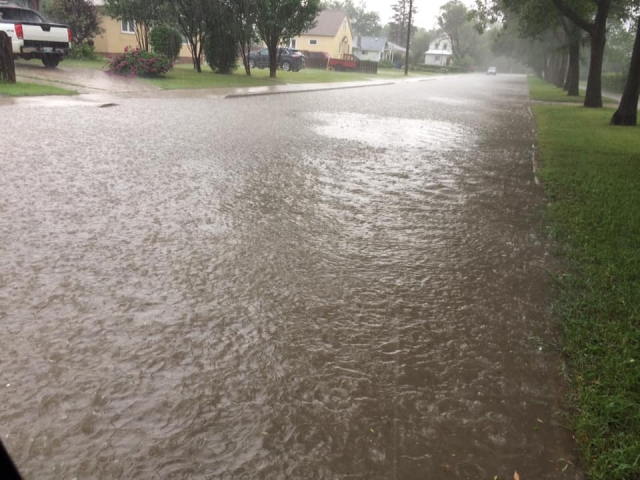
pixel 332 285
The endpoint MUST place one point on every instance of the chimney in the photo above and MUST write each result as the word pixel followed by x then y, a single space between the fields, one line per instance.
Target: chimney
pixel 359 41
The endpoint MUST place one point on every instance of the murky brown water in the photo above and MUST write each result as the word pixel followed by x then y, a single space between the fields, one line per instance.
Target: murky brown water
pixel 340 285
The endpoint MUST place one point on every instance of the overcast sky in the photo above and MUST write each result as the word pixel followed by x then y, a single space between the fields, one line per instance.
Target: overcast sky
pixel 427 10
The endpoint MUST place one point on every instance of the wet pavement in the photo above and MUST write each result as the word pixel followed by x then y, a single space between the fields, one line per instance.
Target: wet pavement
pixel 347 284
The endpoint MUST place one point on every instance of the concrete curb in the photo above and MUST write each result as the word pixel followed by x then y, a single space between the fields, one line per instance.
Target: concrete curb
pixel 318 89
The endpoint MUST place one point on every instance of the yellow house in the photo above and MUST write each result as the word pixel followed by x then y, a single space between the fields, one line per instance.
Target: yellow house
pixel 118 35
pixel 332 34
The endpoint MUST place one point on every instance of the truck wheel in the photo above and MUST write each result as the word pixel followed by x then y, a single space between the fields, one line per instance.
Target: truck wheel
pixel 286 66
pixel 50 61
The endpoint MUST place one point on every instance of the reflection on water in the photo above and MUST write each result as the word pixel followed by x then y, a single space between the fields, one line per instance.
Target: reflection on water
pixel 328 296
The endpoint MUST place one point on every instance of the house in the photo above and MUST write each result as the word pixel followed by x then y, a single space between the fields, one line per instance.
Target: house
pixel 375 49
pixel 440 52
pixel 332 34
pixel 117 35
pixel 369 48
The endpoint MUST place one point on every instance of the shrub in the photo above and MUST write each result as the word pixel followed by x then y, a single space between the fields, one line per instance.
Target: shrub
pixel 166 40
pixel 136 62
pixel 83 51
pixel 385 64
pixel 220 45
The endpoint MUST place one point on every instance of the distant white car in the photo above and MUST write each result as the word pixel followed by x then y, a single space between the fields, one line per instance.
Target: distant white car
pixel 492 71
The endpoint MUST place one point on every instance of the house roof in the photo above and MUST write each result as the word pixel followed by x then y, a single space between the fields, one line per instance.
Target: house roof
pixel 395 46
pixel 328 23
pixel 375 44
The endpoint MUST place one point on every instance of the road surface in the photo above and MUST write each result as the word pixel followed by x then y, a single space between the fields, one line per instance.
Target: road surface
pixel 332 285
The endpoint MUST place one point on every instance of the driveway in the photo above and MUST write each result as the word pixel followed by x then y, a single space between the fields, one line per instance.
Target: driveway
pixel 83 80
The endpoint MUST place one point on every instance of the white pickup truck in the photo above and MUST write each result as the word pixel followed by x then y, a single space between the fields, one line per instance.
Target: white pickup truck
pixel 32 37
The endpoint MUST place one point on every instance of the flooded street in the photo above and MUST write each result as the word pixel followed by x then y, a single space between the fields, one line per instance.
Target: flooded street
pixel 332 285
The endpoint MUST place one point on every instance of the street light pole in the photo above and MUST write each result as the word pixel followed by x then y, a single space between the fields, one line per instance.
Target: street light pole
pixel 406 55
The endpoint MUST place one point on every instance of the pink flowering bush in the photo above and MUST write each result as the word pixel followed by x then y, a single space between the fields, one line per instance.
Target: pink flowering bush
pixel 139 63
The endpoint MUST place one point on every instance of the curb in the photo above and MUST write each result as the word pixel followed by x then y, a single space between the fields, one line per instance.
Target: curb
pixel 319 89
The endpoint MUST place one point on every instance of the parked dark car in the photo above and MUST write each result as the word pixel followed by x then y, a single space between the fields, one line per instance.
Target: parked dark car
pixel 290 59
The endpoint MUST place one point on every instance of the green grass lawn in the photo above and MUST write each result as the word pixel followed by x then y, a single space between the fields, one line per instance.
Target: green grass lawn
pixel 184 76
pixel 543 91
pixel 69 63
pixel 31 89
pixel 591 171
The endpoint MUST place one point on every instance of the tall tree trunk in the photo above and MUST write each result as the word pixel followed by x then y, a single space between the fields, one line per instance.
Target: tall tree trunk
pixel 627 112
pixel 273 61
pixel 593 97
pixel 561 72
pixel 7 66
pixel 573 74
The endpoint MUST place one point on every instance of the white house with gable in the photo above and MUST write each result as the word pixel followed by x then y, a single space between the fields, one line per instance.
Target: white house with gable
pixel 440 52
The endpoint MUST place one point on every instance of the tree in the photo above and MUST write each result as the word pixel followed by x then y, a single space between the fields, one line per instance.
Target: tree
pixel 559 38
pixel 627 112
pixel 191 16
pixel 398 27
pixel 277 20
pixel 455 22
pixel 406 53
pixel 363 21
pixel 597 29
pixel 221 40
pixel 144 13
pixel 245 17
pixel 419 46
pixel 80 15
pixel 7 66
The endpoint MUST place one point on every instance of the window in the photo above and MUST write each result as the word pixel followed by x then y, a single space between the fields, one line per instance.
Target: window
pixel 340 47
pixel 292 43
pixel 436 58
pixel 444 46
pixel 127 26
pixel 313 41
pixel 437 45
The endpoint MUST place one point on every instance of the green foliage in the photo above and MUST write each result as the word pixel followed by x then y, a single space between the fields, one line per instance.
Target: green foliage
pixel 455 21
pixel 400 21
pixel 419 47
pixel 363 21
pixel 191 16
pixel 135 62
pixel 592 179
pixel 166 40
pixel 80 15
pixel 220 45
pixel 145 14
pixel 277 20
pixel 83 51
pixel 385 64
pixel 22 89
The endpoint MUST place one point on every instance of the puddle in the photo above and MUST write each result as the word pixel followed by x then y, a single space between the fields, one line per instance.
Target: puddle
pixel 394 132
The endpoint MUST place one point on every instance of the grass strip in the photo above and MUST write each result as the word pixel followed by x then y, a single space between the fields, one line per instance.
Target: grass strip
pixel 22 89
pixel 543 91
pixel 591 171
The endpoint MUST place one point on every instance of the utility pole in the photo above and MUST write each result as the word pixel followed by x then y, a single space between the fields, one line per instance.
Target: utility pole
pixel 406 55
